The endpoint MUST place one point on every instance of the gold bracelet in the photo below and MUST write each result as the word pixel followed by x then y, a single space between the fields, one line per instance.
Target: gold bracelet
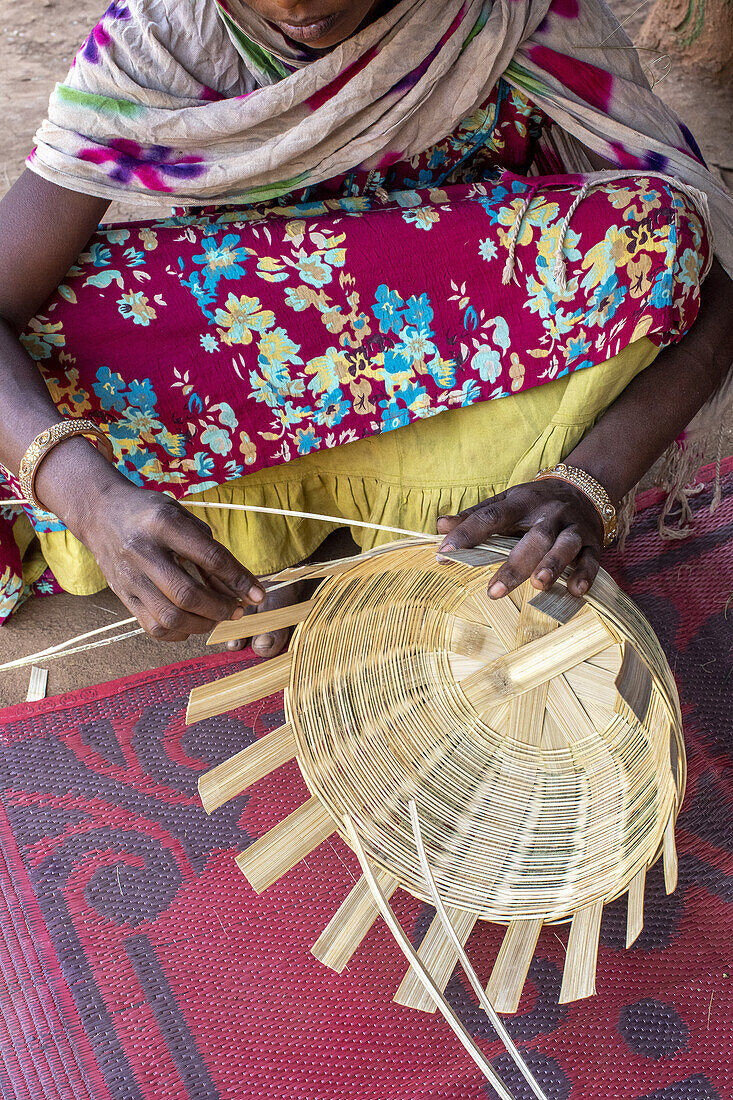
pixel 45 442
pixel 592 489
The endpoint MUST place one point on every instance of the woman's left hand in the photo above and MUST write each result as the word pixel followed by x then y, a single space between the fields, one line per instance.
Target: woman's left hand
pixel 560 528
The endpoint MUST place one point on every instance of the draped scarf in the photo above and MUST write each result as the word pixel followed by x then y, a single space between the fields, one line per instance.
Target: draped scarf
pixel 202 101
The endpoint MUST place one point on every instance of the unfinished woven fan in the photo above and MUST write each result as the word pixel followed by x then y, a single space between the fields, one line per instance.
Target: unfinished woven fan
pixel 538 736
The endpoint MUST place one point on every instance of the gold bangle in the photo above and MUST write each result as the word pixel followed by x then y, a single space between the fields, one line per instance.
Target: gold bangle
pixel 592 489
pixel 44 442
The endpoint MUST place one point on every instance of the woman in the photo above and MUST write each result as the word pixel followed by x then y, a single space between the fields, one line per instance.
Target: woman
pixel 380 223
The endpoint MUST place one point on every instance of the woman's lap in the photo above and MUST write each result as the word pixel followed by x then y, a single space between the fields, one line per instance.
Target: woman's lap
pixel 124 339
pixel 405 478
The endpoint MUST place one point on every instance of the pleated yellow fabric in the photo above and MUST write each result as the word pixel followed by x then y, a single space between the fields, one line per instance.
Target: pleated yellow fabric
pixel 405 478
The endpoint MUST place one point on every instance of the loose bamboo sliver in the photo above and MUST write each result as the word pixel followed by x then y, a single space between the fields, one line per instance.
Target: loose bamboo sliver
pixel 278 851
pixel 350 923
pixel 278 619
pixel 440 958
pixel 670 857
pixel 468 1043
pixel 237 690
pixel 635 911
pixel 497 1024
pixel 512 964
pixel 235 775
pixel 579 975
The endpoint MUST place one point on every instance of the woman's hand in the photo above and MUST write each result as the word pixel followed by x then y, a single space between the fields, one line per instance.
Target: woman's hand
pixel 560 528
pixel 142 540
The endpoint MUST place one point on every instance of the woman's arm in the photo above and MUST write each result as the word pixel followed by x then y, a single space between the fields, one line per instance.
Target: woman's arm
pixel 134 534
pixel 559 523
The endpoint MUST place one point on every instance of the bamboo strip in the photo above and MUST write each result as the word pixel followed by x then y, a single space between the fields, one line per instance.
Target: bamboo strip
pixel 579 975
pixel 235 775
pixel 467 1042
pixel 634 683
pixel 254 683
pixel 54 649
pixel 277 851
pixel 440 958
pixel 635 912
pixel 512 964
pixel 350 923
pixel 474 556
pixel 468 970
pixel 589 682
pixel 472 639
pixel 527 711
pixel 558 603
pixel 37 684
pixel 670 856
pixel 261 623
pixel 538 661
pixel 340 521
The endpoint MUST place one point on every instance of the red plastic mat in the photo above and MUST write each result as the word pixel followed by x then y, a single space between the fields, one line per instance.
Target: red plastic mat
pixel 137 964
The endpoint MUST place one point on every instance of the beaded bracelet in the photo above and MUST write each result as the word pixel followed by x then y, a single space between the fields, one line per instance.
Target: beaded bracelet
pixel 592 489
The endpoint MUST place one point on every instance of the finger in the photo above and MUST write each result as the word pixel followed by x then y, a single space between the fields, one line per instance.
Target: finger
pixel 585 571
pixel 568 545
pixel 475 526
pixel 194 542
pixel 166 614
pixel 150 625
pixel 447 523
pixel 524 559
pixel 190 593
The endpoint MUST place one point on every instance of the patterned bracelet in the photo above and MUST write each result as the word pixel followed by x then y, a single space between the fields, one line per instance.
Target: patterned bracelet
pixel 592 489
pixel 45 442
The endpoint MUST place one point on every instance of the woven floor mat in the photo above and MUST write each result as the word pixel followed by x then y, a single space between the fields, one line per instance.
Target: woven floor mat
pixel 137 964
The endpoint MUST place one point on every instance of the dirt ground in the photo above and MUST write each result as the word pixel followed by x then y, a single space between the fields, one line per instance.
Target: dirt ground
pixel 38 39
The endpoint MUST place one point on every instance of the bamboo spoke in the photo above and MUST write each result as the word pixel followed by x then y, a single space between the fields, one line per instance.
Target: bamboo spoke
pixel 254 683
pixel 634 683
pixel 670 857
pixel 558 604
pixel 439 956
pixel 579 975
pixel 277 619
pixel 278 851
pixel 235 775
pixel 635 912
pixel 350 923
pixel 512 964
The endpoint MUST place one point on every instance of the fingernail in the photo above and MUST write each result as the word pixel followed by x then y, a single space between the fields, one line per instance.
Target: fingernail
pixel 237 613
pixel 256 593
pixel 581 587
pixel 497 590
pixel 446 548
pixel 544 576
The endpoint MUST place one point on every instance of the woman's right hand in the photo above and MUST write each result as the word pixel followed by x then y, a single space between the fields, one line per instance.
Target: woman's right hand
pixel 141 540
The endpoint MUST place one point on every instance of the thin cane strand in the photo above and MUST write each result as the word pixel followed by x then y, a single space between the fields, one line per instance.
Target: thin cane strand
pixel 468 970
pixel 56 650
pixel 420 969
pixel 22 661
pixel 342 521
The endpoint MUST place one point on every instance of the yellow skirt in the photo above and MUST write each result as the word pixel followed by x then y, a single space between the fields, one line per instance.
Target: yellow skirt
pixel 404 478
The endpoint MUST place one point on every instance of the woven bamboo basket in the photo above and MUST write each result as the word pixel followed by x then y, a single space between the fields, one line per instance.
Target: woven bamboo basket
pixel 539 737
